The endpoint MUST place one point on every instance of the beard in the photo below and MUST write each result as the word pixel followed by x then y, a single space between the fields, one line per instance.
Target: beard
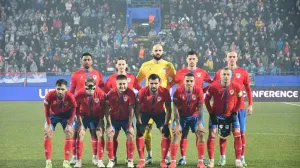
pixel 157 58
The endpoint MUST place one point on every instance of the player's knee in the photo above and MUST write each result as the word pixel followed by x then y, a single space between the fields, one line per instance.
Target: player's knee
pixel 212 133
pixel 69 133
pixel 234 130
pixel 129 137
pixel 200 137
pixel 48 135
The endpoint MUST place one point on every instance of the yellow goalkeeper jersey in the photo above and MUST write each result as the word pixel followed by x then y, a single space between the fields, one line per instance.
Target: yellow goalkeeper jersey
pixel 164 69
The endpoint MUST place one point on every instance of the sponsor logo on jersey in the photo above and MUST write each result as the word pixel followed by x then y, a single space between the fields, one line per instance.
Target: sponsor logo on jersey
pixel 194 97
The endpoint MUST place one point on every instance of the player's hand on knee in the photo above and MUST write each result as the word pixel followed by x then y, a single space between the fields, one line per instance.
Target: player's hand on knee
pixel 140 129
pixel 200 129
pixel 177 129
pixel 214 119
pixel 48 131
pixel 99 131
pixel 165 130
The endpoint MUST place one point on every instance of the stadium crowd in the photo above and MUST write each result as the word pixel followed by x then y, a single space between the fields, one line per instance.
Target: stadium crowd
pixel 50 35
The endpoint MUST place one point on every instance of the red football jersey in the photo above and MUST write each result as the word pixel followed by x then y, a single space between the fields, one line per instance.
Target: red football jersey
pixel 188 102
pixel 153 103
pixel 119 103
pixel 131 79
pixel 65 108
pixel 78 79
pixel 225 100
pixel 90 106
pixel 200 76
pixel 240 75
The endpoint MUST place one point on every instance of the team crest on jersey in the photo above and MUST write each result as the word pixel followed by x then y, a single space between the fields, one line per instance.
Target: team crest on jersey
pixel 198 74
pixel 158 98
pixel 54 102
pixel 238 75
pixel 95 77
pixel 66 103
pixel 231 92
pixel 194 97
pixel 128 80
pixel 125 98
pixel 97 100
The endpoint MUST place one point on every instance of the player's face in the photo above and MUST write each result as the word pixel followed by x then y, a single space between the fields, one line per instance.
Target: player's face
pixel 232 58
pixel 61 91
pixel 121 85
pixel 90 88
pixel 226 76
pixel 157 51
pixel 154 84
pixel 86 62
pixel 192 60
pixel 121 65
pixel 189 83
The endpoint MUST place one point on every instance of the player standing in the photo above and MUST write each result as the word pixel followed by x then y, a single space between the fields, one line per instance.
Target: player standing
pixel 151 101
pixel 227 97
pixel 166 71
pixel 188 113
pixel 78 82
pixel 241 76
pixel 121 102
pixel 90 113
pixel 200 75
pixel 60 107
pixel 121 68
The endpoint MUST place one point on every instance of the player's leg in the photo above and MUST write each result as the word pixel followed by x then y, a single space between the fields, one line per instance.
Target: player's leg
pixel 183 140
pixel 148 141
pixel 100 144
pixel 74 146
pixel 110 143
pixel 159 120
pixel 140 141
pixel 176 135
pixel 129 130
pixel 200 140
pixel 243 120
pixel 48 131
pixel 69 132
pixel 80 137
pixel 211 143
pixel 93 125
pixel 237 143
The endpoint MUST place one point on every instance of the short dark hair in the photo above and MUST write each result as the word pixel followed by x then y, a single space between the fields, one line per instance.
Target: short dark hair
pixel 189 75
pixel 90 80
pixel 192 52
pixel 121 77
pixel 153 77
pixel 61 82
pixel 86 54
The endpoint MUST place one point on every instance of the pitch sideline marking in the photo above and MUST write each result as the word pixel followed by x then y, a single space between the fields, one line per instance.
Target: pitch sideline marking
pixel 292 104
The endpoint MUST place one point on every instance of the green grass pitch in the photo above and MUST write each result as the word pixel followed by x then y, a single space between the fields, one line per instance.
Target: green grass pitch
pixel 273 133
